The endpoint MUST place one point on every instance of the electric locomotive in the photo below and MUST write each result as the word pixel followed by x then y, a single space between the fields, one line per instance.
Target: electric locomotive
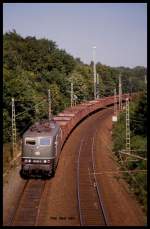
pixel 41 147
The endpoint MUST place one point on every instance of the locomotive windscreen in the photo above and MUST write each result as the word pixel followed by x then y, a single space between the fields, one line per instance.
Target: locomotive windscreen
pixel 45 141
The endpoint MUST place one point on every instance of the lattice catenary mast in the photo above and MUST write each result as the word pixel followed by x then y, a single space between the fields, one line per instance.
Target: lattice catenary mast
pixel 127 126
pixel 120 93
pixel 13 128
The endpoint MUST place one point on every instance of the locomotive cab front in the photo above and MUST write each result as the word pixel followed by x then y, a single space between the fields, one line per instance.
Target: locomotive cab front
pixel 40 148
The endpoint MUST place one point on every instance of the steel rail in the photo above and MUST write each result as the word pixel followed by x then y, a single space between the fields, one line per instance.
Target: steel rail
pixel 18 204
pixel 101 204
pixel 96 190
pixel 40 203
pixel 78 185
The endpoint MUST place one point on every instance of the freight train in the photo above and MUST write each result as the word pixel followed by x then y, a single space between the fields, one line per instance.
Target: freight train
pixel 43 141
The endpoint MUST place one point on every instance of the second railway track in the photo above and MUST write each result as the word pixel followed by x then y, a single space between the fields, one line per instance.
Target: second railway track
pixel 90 203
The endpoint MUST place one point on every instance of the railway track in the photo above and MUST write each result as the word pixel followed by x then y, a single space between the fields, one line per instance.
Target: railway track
pixel 31 209
pixel 90 203
pixel 27 209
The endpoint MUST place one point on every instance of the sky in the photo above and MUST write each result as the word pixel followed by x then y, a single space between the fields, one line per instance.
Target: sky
pixel 118 30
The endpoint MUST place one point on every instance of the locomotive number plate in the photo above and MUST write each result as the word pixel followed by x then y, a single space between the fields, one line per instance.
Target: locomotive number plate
pixel 36 161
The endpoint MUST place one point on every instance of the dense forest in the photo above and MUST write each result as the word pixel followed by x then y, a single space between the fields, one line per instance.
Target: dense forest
pixel 32 66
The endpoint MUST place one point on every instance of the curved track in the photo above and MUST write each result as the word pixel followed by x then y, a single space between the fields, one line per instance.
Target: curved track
pixel 90 202
pixel 77 182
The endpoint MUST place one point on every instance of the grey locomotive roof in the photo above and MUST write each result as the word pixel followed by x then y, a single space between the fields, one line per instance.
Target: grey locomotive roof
pixel 42 128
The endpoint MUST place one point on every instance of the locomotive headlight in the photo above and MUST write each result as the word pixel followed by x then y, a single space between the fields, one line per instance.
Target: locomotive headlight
pixel 27 160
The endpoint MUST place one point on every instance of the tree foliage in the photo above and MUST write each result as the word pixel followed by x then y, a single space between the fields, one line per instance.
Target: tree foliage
pixel 31 66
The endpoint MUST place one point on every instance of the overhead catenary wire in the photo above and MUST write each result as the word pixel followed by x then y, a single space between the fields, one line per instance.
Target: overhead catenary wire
pixel 14 117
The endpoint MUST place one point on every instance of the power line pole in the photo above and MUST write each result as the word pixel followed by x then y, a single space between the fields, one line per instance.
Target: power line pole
pixel 94 72
pixel 71 95
pixel 49 105
pixel 127 126
pixel 120 93
pixel 13 128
